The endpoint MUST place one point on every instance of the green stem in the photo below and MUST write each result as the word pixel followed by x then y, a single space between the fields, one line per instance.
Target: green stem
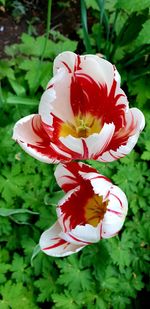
pixel 47 27
pixel 37 76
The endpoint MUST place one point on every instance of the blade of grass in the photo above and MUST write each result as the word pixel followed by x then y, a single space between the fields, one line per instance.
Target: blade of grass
pixel 103 17
pixel 85 27
pixel 13 99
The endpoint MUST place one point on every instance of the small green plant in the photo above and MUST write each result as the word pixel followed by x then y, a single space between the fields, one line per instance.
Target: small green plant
pixel 18 10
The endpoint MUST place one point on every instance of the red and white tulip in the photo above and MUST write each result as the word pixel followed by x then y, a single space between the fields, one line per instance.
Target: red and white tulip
pixel 92 208
pixel 83 114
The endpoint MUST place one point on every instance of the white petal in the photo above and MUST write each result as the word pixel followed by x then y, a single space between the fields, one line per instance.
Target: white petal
pixel 117 76
pixel 52 244
pixel 102 71
pixel 101 184
pixel 97 143
pixel 64 176
pixel 24 134
pixel 111 225
pixel 64 60
pixel 69 237
pixel 88 148
pixel 118 200
pixel 23 130
pixel 31 136
pixel 74 144
pixel 56 99
pixel 86 233
pixel 116 212
pixel 99 69
pixel 136 116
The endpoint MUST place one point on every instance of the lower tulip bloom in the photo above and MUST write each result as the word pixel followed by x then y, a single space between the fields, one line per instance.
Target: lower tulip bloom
pixel 92 208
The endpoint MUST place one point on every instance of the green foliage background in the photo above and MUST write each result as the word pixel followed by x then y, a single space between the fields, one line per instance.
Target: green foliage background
pixel 113 273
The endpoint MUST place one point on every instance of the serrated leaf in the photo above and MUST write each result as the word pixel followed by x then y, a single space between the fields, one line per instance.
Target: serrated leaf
pixel 73 277
pixel 133 6
pixel 64 301
pixel 6 70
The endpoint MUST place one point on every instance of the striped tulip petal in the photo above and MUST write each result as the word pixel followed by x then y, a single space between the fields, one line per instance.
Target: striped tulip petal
pixel 125 139
pixel 33 139
pixel 53 244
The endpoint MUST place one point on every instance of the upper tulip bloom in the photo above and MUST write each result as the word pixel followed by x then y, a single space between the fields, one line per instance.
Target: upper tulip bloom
pixel 83 114
pixel 92 209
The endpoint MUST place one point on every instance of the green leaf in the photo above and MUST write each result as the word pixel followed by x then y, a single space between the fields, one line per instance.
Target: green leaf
pixel 10 294
pixel 64 300
pixel 92 4
pixel 54 199
pixel 146 154
pixel 15 100
pixel 72 276
pixel 4 212
pixel 2 2
pixel 36 251
pixel 6 70
pixel 140 88
pixel 133 6
pixel 19 89
pixel 143 37
pixel 38 73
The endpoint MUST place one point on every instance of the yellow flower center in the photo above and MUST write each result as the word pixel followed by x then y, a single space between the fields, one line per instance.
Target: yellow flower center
pixel 84 125
pixel 95 210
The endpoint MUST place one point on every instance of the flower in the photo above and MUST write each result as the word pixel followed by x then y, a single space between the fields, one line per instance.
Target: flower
pixel 92 208
pixel 83 114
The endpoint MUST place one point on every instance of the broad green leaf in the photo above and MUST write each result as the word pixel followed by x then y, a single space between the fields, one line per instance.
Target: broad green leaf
pixel 38 73
pixel 144 37
pixel 133 5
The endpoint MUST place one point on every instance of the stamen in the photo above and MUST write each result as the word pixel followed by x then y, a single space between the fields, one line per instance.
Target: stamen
pixel 84 126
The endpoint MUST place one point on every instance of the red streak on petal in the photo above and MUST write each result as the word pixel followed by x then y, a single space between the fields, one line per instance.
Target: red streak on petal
pixel 121 137
pixel 114 157
pixel 77 64
pixel 117 199
pixel 85 149
pixel 75 168
pixel 101 177
pixel 85 242
pixel 67 66
pixel 50 86
pixel 59 243
pixel 115 212
pixel 107 195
